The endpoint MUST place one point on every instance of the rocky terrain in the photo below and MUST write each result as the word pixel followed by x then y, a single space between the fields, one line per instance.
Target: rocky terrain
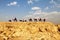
pixel 29 31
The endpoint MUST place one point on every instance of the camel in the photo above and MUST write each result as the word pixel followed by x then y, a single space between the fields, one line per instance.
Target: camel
pixel 9 20
pixel 30 19
pixel 15 19
pixel 44 20
pixel 23 20
pixel 40 19
pixel 35 20
pixel 20 20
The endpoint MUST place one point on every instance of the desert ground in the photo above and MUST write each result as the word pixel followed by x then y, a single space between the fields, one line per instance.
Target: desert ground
pixel 29 31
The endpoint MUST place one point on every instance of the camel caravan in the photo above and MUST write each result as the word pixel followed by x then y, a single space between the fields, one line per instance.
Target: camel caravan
pixel 29 20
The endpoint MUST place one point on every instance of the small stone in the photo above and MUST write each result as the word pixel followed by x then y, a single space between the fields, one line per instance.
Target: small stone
pixel 59 29
pixel 42 38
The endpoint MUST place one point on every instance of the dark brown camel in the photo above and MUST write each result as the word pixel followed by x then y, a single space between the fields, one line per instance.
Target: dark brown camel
pixel 35 20
pixel 30 19
pixel 44 20
pixel 20 20
pixel 9 20
pixel 15 19
pixel 40 19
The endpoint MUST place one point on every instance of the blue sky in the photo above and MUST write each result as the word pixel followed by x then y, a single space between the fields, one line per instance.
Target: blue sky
pixel 24 8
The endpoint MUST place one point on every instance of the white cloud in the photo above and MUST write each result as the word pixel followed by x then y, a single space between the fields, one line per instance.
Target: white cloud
pixel 35 8
pixel 52 1
pixel 12 4
pixel 36 14
pixel 30 2
pixel 55 4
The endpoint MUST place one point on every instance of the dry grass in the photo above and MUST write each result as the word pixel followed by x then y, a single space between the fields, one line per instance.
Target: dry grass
pixel 29 31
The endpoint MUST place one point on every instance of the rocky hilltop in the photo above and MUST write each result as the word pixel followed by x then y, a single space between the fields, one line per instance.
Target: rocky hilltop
pixel 29 31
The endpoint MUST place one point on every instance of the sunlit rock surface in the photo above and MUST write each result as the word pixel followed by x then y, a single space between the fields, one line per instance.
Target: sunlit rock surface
pixel 29 31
